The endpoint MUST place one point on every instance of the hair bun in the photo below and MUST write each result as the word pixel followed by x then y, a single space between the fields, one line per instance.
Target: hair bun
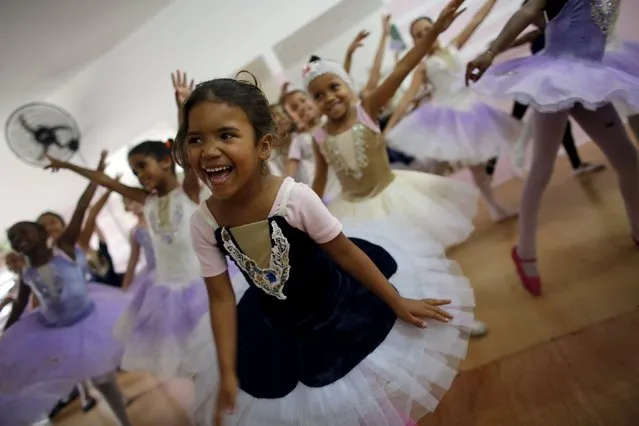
pixel 314 58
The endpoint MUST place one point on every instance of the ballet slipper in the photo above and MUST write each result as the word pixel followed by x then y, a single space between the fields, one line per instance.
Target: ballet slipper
pixel 531 283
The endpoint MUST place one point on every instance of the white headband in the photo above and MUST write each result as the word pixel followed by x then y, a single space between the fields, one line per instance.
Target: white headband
pixel 312 70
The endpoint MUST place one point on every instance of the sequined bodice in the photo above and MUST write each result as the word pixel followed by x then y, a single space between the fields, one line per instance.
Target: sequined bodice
pixel 360 160
pixel 168 219
pixel 143 238
pixel 445 70
pixel 581 28
pixel 61 288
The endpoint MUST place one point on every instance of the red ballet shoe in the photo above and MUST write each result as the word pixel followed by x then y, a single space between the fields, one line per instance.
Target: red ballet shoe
pixel 532 284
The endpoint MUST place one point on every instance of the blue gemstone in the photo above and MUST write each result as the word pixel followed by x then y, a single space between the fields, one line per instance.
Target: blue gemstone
pixel 270 276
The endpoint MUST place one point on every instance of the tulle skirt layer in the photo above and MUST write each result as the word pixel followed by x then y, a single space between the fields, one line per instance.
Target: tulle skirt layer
pixel 406 376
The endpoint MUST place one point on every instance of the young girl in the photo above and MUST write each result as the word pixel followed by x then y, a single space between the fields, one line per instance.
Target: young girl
pixel 166 329
pixel 294 155
pixel 141 241
pixel 575 45
pixel 68 338
pixel 312 336
pixel 352 144
pixel 537 40
pixel 454 125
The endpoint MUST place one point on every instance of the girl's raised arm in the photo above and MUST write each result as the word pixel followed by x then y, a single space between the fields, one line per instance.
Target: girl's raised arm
pixel 525 16
pixel 100 178
pixel 24 293
pixel 474 23
pixel 134 257
pixel 385 92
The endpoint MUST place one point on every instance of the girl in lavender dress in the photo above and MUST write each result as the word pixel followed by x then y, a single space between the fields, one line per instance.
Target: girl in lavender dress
pixel 454 125
pixel 140 240
pixel 68 339
pixel 567 78
pixel 166 329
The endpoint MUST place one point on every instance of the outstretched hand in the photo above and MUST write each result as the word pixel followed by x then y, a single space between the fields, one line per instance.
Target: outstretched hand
pixel 55 164
pixel 416 312
pixel 102 164
pixel 448 15
pixel 182 86
pixel 226 398
pixel 478 66
pixel 358 41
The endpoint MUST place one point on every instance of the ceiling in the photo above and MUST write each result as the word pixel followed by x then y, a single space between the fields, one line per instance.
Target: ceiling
pixel 44 43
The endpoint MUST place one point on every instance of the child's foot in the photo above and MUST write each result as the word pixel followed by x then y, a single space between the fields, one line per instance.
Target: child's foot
pixel 528 273
pixel 587 168
pixel 477 329
pixel 89 404
pixel 502 215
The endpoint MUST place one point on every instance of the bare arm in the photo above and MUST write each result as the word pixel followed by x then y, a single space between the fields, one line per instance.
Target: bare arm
pixel 321 171
pixel 291 167
pixel 419 79
pixel 376 70
pixel 479 17
pixel 89 224
pixel 24 292
pixel 134 258
pixel 520 20
pixel 529 37
pixel 71 235
pixel 191 185
pixel 223 314
pixel 99 178
pixel 384 93
pixel 356 263
pixel 355 44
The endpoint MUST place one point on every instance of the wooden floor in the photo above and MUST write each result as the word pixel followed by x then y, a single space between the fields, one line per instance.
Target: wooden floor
pixel 590 270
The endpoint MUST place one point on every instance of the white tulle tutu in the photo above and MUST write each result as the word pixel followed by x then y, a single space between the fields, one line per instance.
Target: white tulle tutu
pixel 166 331
pixel 408 373
pixel 443 207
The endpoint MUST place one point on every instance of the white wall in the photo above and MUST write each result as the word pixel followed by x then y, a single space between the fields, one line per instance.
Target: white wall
pixel 404 11
pixel 127 91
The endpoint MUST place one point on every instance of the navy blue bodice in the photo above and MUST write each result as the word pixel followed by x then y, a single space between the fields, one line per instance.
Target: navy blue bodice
pixel 303 319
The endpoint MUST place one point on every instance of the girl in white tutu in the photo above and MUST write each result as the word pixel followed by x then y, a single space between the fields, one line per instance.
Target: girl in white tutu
pixel 569 77
pixel 66 340
pixel 353 145
pixel 308 334
pixel 166 329
pixel 454 125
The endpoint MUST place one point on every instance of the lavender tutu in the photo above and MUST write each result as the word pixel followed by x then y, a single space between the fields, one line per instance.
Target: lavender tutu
pixel 623 56
pixel 40 364
pixel 455 125
pixel 470 135
pixel 572 69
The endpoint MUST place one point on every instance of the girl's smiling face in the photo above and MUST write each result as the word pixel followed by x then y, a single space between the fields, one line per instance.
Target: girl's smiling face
pixel 222 149
pixel 52 224
pixel 332 95
pixel 301 107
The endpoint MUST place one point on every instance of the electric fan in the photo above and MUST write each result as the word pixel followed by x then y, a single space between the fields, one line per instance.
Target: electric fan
pixel 38 129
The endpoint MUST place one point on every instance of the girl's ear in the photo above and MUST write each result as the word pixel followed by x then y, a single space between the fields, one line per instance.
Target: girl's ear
pixel 265 146
pixel 165 163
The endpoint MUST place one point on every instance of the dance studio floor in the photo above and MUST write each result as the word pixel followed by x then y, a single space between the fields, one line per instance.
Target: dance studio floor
pixel 567 358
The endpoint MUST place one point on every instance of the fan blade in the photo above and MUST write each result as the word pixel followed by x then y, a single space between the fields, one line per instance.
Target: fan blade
pixel 56 128
pixel 25 125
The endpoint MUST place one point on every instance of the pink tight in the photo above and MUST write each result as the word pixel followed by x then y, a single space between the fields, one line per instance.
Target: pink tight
pixel 605 128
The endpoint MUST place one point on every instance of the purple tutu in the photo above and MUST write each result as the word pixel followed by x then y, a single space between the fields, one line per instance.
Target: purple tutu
pixel 39 364
pixel 161 325
pixel 623 56
pixel 551 84
pixel 470 134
